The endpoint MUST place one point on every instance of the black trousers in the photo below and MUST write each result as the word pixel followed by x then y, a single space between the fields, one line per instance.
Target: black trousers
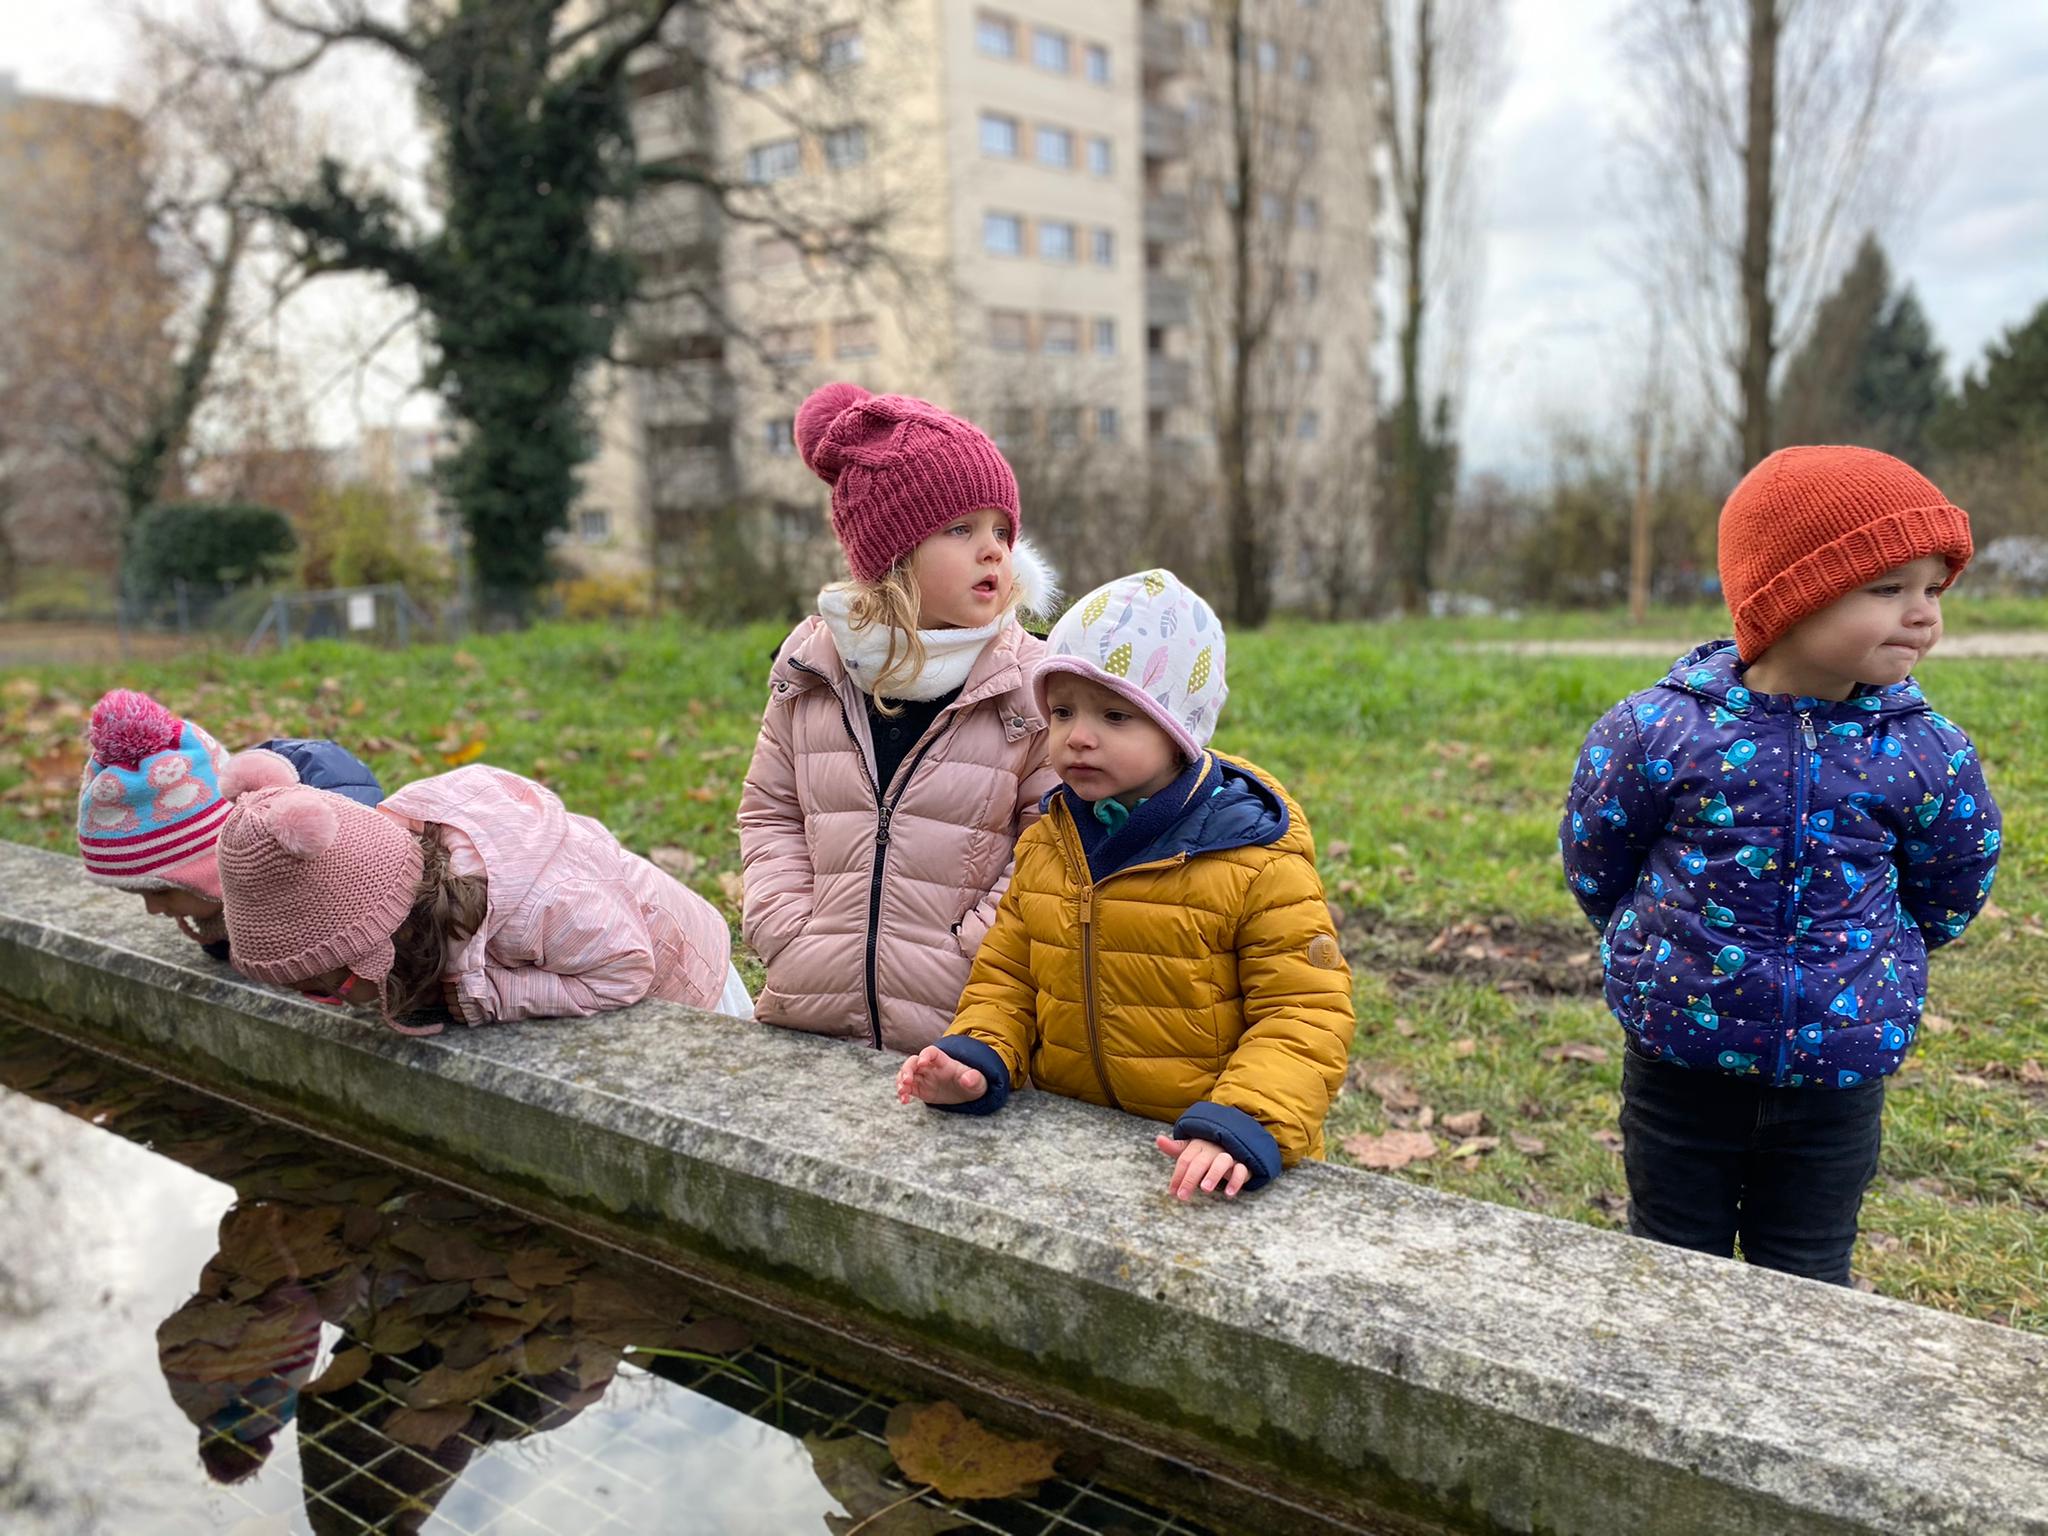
pixel 1713 1158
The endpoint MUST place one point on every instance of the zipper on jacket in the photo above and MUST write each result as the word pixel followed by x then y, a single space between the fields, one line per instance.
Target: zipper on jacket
pixel 1088 1009
pixel 885 812
pixel 1787 1017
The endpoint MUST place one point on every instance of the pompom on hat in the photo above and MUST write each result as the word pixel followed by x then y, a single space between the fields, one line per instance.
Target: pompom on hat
pixel 1153 639
pixel 1810 525
pixel 900 470
pixel 314 882
pixel 150 803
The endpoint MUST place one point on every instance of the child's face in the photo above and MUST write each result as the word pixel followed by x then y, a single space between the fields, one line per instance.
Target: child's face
pixel 1874 635
pixel 179 904
pixel 963 572
pixel 1102 748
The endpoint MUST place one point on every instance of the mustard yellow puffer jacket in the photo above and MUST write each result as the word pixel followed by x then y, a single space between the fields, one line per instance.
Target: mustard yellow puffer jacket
pixel 1200 983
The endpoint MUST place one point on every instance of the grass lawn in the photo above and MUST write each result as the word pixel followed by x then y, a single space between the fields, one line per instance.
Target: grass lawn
pixel 1433 779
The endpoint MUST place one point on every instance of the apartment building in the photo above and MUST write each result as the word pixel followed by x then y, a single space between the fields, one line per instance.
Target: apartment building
pixel 1023 209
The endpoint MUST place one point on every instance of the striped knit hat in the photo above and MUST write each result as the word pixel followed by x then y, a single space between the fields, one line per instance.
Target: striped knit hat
pixel 314 882
pixel 900 470
pixel 1810 525
pixel 149 805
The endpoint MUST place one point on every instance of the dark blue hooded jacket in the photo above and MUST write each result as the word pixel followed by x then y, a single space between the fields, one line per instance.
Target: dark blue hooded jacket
pixel 1769 873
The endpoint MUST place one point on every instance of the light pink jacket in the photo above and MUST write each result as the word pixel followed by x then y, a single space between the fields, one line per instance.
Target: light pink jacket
pixel 576 924
pixel 868 950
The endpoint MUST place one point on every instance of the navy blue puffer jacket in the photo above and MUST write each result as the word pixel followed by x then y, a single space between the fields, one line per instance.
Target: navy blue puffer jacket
pixel 1769 873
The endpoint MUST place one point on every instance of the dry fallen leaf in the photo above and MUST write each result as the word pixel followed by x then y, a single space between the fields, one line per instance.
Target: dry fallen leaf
pixel 936 1443
pixel 1935 1024
pixel 468 752
pixel 1611 1140
pixel 1527 1145
pixel 1467 1122
pixel 1575 1050
pixel 426 1427
pixel 1392 1150
pixel 1472 1146
pixel 344 1370
pixel 1465 1047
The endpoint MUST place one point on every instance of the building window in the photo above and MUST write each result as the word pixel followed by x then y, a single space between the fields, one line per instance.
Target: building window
pixel 1002 234
pixel 1095 59
pixel 1308 213
pixel 1269 56
pixel 1198 32
pixel 1050 51
pixel 1307 425
pixel 846 146
pixel 839 49
pixel 1012 426
pixel 1009 330
pixel 1063 425
pixel 1305 141
pixel 763 72
pixel 789 343
pixel 774 252
pixel 779 433
pixel 1060 335
pixel 593 525
pixel 773 162
pixel 1305 67
pixel 1100 159
pixel 1106 426
pixel 999 135
pixel 1056 240
pixel 1055 147
pixel 854 338
pixel 1272 207
pixel 1105 338
pixel 1308 357
pixel 995 36
pixel 1102 247
pixel 1307 283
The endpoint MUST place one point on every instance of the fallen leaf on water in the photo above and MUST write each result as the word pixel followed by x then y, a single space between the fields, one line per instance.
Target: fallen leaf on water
pixel 204 1322
pixel 1394 1149
pixel 344 1370
pixel 851 1469
pixel 936 1443
pixel 714 1335
pixel 426 1427
pixel 445 1384
pixel 540 1267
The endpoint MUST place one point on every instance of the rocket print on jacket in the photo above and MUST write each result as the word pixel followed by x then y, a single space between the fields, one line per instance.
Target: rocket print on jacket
pixel 1770 873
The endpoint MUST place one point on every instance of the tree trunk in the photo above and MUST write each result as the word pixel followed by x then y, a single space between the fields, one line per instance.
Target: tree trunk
pixel 1250 579
pixel 1415 483
pixel 1758 164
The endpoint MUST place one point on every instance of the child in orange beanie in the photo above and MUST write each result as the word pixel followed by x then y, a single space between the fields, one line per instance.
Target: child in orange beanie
pixel 1771 841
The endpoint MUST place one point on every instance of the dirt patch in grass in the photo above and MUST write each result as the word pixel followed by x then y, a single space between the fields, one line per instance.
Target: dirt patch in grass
pixel 1510 954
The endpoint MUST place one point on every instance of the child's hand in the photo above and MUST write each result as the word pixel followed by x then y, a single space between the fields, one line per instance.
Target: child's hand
pixel 1202 1165
pixel 936 1078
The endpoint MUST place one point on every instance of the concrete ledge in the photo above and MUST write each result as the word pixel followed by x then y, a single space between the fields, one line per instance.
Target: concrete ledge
pixel 1402 1359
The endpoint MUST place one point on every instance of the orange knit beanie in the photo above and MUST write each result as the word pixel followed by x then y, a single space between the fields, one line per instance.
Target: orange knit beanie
pixel 1809 525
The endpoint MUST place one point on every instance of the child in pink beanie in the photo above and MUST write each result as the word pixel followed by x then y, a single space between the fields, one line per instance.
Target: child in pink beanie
pixel 473 892
pixel 901 753
pixel 155 793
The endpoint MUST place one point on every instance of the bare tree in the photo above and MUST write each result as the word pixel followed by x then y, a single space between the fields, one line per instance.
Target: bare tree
pixel 1768 135
pixel 1435 69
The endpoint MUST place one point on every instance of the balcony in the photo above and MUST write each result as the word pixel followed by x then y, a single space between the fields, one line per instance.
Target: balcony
pixel 1163 43
pixel 1168 383
pixel 1166 132
pixel 1167 301
pixel 1166 219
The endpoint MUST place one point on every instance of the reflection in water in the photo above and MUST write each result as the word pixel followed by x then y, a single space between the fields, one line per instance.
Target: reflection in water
pixel 361 1352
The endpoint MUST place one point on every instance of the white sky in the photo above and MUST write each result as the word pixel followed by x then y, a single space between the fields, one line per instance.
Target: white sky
pixel 1551 327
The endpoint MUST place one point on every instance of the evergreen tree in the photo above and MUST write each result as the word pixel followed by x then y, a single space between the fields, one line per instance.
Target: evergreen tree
pixel 2004 400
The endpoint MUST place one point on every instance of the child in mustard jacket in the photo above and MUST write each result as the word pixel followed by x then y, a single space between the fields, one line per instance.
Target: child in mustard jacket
pixel 1165 946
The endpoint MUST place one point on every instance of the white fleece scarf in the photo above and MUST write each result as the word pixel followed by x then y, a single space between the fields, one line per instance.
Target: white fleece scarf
pixel 950 654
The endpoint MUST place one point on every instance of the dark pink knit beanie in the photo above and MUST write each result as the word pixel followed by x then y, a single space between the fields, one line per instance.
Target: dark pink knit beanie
pixel 900 470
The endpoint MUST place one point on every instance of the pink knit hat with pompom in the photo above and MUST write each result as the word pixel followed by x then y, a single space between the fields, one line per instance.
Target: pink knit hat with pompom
pixel 900 470
pixel 314 882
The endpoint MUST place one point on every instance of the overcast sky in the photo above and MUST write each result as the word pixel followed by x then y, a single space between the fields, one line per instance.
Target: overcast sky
pixel 1554 312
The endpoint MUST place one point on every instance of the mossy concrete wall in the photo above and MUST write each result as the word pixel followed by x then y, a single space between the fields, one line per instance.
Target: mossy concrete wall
pixel 1399 1359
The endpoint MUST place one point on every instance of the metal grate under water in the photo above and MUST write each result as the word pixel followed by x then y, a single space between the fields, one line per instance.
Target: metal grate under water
pixel 358 1350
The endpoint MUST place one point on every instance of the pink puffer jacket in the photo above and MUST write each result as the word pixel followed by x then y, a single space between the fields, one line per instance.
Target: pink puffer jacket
pixel 868 920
